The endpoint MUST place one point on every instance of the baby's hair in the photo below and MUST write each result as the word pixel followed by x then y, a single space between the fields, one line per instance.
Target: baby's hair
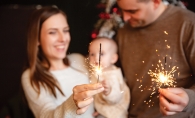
pixel 112 41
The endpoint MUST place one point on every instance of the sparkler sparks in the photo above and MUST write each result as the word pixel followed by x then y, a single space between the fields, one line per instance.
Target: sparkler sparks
pixel 95 69
pixel 162 74
pixel 162 77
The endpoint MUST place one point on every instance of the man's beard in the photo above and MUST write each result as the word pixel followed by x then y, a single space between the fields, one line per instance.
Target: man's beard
pixel 136 23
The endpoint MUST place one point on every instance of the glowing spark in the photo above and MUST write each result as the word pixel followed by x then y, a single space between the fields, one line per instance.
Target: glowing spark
pixel 166 32
pixel 98 70
pixel 163 78
pixel 95 70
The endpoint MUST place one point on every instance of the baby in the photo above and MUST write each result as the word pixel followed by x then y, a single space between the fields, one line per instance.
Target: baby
pixel 114 101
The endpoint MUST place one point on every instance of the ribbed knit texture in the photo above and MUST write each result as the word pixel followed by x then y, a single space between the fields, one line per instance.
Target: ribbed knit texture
pixel 46 106
pixel 171 35
pixel 116 103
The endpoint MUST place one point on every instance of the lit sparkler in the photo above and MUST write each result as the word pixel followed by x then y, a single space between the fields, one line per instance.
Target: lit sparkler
pixel 163 78
pixel 98 70
pixel 95 69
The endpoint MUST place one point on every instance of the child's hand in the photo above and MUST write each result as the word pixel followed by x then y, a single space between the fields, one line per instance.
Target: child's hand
pixel 107 87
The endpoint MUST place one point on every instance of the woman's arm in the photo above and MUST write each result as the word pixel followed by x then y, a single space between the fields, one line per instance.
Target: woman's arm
pixel 44 105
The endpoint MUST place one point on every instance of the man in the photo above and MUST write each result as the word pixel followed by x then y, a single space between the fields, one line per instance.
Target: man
pixel 158 38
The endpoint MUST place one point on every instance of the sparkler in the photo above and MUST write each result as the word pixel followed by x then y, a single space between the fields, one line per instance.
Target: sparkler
pixel 95 69
pixel 99 70
pixel 163 78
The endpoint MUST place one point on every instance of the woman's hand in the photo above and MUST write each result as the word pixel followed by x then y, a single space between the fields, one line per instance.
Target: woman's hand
pixel 172 100
pixel 83 95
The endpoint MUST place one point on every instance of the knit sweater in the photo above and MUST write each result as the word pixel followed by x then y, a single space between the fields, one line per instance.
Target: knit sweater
pixel 116 103
pixel 172 36
pixel 47 106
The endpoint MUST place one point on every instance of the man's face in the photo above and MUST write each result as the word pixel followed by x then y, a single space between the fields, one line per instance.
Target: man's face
pixel 137 14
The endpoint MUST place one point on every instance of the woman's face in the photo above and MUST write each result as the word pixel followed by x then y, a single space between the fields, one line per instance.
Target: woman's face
pixel 55 37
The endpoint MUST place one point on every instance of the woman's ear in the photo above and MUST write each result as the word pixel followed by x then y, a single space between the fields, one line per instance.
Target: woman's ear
pixel 114 58
pixel 38 43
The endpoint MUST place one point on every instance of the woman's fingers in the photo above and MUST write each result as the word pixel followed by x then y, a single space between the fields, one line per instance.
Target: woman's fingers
pixel 84 103
pixel 86 94
pixel 86 87
pixel 82 110
pixel 83 95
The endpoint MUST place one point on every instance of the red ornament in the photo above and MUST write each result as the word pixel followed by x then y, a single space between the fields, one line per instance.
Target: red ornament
pixel 107 16
pixel 115 9
pixel 104 16
pixel 101 15
pixel 93 35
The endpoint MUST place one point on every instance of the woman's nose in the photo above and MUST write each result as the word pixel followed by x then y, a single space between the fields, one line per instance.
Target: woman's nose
pixel 61 37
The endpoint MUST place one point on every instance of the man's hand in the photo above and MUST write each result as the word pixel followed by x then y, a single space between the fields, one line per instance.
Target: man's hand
pixel 172 100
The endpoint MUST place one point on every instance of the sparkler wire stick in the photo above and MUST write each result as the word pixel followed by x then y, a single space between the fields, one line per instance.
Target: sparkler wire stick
pixel 165 63
pixel 99 61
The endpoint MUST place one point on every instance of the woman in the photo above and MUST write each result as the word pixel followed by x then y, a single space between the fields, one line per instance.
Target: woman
pixel 49 80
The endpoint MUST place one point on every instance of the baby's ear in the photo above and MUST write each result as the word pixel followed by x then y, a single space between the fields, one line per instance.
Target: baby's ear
pixel 114 58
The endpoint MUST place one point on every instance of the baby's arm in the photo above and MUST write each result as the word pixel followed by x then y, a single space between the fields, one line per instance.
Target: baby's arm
pixel 112 90
pixel 107 87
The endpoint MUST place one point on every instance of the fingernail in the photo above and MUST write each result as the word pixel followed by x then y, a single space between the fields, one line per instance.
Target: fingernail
pixel 99 85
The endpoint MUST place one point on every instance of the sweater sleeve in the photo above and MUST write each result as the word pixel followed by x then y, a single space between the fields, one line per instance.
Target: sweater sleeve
pixel 44 105
pixel 116 82
pixel 115 95
pixel 189 46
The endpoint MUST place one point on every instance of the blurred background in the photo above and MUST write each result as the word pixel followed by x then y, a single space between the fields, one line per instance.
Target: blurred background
pixel 82 16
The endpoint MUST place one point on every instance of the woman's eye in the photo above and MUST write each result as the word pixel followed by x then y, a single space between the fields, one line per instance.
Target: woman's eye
pixel 52 32
pixel 66 31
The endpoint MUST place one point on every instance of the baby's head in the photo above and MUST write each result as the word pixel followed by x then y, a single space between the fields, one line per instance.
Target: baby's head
pixel 109 54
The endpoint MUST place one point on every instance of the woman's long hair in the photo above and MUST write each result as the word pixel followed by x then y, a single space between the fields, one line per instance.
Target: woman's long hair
pixel 37 62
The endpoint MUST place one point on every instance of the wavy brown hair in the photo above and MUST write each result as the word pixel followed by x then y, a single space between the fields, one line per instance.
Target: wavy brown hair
pixel 37 62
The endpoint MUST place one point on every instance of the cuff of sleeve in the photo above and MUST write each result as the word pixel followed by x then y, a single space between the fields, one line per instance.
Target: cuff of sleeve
pixel 70 108
pixel 191 103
